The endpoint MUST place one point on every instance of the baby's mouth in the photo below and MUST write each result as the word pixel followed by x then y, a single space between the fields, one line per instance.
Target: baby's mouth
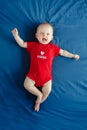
pixel 44 39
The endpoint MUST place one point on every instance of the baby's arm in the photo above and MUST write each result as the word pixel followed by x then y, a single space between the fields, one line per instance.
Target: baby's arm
pixel 19 41
pixel 68 54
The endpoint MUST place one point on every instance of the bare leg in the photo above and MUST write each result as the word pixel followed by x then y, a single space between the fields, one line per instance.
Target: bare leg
pixel 29 86
pixel 46 90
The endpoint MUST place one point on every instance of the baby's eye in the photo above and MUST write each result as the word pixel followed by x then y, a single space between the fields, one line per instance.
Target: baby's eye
pixel 41 32
pixel 48 34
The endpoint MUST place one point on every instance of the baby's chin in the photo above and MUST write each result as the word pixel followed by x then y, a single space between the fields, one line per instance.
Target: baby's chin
pixel 44 42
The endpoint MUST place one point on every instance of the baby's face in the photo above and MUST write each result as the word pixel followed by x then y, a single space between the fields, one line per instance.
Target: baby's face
pixel 44 34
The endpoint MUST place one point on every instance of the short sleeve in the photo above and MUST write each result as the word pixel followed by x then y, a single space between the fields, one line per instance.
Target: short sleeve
pixel 56 50
pixel 29 45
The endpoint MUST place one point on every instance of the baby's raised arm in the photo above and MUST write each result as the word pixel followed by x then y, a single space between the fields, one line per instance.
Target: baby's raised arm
pixel 19 41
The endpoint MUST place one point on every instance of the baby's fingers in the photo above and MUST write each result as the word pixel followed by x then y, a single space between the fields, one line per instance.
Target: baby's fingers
pixel 15 31
pixel 77 57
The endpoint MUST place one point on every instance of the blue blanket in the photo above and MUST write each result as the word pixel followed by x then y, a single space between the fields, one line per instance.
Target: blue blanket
pixel 66 107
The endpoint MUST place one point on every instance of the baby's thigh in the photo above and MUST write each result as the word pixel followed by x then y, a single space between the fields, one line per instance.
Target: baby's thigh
pixel 28 82
pixel 47 87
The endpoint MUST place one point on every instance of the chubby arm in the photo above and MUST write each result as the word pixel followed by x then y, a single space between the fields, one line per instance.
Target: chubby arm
pixel 19 41
pixel 68 54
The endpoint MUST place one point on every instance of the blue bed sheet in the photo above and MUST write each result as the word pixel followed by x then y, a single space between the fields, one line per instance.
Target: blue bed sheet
pixel 66 107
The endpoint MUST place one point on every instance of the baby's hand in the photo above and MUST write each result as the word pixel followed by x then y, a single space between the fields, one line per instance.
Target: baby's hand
pixel 76 57
pixel 15 31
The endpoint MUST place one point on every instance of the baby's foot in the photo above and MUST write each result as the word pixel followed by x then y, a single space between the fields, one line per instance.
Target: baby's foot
pixel 38 102
pixel 37 107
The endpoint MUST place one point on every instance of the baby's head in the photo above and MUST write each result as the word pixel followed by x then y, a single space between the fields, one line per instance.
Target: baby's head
pixel 44 33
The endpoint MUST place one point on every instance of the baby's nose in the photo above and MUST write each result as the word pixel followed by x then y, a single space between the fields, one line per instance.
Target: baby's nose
pixel 44 34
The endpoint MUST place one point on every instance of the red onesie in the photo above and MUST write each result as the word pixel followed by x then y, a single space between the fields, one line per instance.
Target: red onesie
pixel 41 57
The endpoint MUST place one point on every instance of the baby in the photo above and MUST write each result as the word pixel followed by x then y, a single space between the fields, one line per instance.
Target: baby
pixel 41 54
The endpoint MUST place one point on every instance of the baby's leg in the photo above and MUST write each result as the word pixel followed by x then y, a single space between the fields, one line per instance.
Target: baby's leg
pixel 29 86
pixel 46 89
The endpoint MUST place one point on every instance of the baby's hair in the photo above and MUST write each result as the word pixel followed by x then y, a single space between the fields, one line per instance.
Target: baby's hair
pixel 45 23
